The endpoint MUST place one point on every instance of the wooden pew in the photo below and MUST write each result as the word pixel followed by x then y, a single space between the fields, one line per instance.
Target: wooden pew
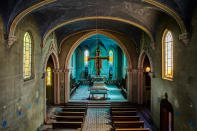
pixel 125 118
pixel 131 129
pixel 123 113
pixel 70 118
pixel 128 124
pixel 66 125
pixel 123 109
pixel 74 109
pixel 71 113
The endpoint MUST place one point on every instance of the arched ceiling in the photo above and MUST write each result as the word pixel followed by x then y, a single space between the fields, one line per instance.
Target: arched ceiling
pixel 55 13
pixel 105 41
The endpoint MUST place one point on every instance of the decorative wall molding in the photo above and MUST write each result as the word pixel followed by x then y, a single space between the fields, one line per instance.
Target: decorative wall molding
pixel 20 16
pixel 185 38
pixel 11 40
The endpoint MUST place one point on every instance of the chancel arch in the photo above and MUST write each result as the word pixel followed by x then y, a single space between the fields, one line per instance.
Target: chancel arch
pixel 130 54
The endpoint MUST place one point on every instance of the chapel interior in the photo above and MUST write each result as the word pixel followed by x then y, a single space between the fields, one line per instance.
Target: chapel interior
pixel 98 65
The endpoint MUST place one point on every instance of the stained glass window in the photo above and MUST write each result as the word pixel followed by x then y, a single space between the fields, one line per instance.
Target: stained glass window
pixel 86 55
pixel 168 55
pixel 27 57
pixel 110 58
pixel 49 77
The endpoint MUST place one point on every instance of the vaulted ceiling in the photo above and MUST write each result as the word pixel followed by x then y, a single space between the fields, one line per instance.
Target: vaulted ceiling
pixel 66 17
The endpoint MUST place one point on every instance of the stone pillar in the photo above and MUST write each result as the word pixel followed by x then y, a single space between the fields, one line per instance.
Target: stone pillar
pixel 140 85
pixel 57 86
pixel 131 90
pixel 67 88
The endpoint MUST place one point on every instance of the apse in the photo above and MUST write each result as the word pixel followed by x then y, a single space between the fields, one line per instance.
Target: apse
pixel 99 59
pixel 114 68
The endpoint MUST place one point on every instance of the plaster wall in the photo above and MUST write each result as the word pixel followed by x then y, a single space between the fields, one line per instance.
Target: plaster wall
pixel 182 89
pixel 21 102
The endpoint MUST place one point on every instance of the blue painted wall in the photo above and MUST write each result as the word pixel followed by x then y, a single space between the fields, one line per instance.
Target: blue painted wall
pixel 105 44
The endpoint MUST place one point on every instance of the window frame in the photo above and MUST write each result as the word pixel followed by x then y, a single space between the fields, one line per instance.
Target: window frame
pixel 164 55
pixel 31 57
pixel 87 58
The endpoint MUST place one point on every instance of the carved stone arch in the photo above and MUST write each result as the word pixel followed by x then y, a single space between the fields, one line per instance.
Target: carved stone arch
pixel 142 56
pixel 119 42
pixel 11 36
pixel 56 71
pixel 184 36
pixel 142 27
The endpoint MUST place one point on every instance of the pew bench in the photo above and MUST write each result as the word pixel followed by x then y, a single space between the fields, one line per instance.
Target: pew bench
pixel 122 109
pixel 131 129
pixel 128 124
pixel 123 113
pixel 70 118
pixel 66 125
pixel 71 113
pixel 74 109
pixel 125 118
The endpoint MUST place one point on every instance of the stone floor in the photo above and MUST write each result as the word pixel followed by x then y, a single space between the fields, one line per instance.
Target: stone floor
pixel 114 94
pixel 97 119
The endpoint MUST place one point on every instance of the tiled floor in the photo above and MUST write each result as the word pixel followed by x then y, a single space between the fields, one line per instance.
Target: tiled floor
pixel 97 119
pixel 114 94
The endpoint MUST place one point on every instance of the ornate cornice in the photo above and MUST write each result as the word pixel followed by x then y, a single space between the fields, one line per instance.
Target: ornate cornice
pixel 11 40
pixel 185 38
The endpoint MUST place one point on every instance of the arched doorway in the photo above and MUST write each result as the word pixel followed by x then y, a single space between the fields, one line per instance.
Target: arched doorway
pixel 127 51
pixel 144 80
pixel 51 81
pixel 166 115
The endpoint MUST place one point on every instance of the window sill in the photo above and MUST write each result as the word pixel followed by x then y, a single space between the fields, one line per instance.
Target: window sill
pixel 167 78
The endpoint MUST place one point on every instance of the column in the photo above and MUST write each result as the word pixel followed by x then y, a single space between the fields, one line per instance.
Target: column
pixel 140 85
pixel 67 88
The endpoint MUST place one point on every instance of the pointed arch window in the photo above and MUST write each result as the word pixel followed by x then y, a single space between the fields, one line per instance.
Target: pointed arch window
pixel 86 55
pixel 167 54
pixel 110 58
pixel 27 56
pixel 49 77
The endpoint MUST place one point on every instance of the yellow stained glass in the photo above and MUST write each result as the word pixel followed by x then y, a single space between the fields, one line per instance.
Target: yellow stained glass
pixel 49 77
pixel 168 54
pixel 27 56
pixel 86 55
pixel 110 58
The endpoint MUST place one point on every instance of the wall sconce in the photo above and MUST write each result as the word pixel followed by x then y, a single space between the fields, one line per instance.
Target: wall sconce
pixel 147 69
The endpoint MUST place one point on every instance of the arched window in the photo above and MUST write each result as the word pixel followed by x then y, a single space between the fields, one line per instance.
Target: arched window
pixel 86 55
pixel 167 54
pixel 49 77
pixel 27 56
pixel 110 58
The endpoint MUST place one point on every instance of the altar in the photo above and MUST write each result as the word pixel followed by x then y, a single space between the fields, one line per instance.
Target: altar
pixel 98 88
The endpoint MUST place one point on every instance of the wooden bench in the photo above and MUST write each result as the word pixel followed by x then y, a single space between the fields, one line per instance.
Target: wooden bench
pixel 66 125
pixel 73 106
pixel 74 109
pixel 128 124
pixel 125 118
pixel 71 113
pixel 70 118
pixel 123 113
pixel 131 129
pixel 123 109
